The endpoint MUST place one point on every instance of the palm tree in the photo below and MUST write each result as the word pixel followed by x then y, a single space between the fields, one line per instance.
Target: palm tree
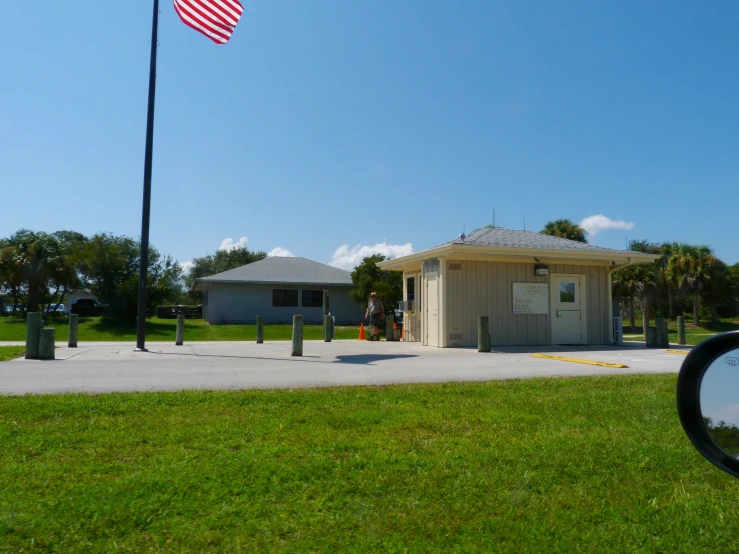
pixel 566 229
pixel 715 283
pixel 685 267
pixel 667 250
pixel 625 287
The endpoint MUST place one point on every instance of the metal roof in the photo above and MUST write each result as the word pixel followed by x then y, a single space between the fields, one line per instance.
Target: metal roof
pixel 285 271
pixel 509 238
pixel 498 243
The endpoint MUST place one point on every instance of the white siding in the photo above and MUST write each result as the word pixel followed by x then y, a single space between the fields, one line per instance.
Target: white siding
pixel 412 320
pixel 235 303
pixel 482 288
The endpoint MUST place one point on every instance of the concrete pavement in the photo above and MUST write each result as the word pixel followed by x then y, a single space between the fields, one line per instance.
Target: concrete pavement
pixel 108 367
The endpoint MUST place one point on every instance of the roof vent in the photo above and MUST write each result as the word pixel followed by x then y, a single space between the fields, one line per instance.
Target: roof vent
pixel 462 236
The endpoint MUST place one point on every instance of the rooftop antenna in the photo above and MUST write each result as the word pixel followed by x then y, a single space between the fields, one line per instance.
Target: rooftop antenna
pixel 493 217
pixel 463 236
pixel 524 223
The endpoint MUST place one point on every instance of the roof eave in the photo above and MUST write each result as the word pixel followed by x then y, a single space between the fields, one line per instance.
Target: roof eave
pixel 397 264
pixel 205 280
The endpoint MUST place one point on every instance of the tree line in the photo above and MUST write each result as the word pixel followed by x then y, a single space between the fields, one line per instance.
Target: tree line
pixel 38 270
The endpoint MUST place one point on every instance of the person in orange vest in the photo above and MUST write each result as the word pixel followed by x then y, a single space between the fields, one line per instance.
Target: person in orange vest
pixel 376 313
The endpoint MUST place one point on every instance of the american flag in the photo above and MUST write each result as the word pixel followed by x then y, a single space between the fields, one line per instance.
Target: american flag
pixel 216 19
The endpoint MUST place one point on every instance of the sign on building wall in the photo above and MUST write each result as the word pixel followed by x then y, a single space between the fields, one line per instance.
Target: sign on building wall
pixel 530 298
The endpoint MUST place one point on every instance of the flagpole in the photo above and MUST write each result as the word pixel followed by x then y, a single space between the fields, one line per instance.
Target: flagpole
pixel 144 261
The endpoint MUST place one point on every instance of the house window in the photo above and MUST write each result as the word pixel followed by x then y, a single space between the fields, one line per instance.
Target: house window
pixel 567 293
pixel 410 289
pixel 285 298
pixel 312 298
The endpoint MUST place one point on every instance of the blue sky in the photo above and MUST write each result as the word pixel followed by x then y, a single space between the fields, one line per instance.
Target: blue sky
pixel 719 391
pixel 330 123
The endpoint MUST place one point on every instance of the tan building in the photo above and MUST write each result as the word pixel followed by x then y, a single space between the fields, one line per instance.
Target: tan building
pixel 536 290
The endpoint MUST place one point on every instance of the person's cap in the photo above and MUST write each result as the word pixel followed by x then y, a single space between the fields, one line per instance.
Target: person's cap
pixel 373 294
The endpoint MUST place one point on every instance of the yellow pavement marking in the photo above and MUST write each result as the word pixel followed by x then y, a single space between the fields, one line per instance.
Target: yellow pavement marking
pixel 580 361
pixel 684 352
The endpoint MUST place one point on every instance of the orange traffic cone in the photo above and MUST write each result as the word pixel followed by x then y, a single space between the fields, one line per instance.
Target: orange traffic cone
pixel 361 331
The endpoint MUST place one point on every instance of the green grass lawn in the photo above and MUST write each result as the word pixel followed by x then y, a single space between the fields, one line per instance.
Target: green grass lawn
pixel 11 352
pixel 693 334
pixel 542 465
pixel 97 329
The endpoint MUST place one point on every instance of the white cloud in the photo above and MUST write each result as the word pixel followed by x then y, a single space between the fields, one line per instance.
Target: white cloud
pixel 279 251
pixel 187 266
pixel 348 258
pixel 228 244
pixel 597 223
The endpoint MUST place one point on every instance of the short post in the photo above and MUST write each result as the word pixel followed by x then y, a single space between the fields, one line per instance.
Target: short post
pixel 34 324
pixel 180 338
pixel 660 332
pixel 389 321
pixel 645 326
pixel 327 328
pixel 483 333
pixel 681 329
pixel 651 337
pixel 74 329
pixel 260 329
pixel 46 345
pixel 325 310
pixel 297 335
pixel 667 332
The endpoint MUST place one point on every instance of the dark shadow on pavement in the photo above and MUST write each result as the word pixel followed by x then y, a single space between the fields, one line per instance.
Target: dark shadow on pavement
pixel 194 355
pixel 364 359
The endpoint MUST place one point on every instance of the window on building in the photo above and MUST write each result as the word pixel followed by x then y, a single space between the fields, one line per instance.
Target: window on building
pixel 312 298
pixel 410 288
pixel 567 293
pixel 285 298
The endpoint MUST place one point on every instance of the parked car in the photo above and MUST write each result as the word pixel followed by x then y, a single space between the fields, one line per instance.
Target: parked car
pixel 86 307
pixel 58 309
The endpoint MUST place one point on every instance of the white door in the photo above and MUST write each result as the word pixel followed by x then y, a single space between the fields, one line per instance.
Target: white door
pixel 432 310
pixel 568 309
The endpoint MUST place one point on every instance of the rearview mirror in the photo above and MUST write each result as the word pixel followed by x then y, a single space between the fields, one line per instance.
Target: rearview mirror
pixel 708 400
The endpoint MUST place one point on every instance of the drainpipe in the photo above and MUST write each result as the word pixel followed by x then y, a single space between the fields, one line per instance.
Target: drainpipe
pixel 610 296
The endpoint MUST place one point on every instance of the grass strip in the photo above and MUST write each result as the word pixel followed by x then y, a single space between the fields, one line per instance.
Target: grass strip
pixel 11 352
pixel 98 329
pixel 595 464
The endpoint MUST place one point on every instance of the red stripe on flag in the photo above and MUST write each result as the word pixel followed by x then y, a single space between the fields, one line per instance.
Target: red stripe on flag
pixel 187 20
pixel 223 10
pixel 204 19
pixel 216 19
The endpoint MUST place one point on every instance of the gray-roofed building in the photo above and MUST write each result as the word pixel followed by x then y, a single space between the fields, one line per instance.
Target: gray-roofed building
pixel 278 288
pixel 536 289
